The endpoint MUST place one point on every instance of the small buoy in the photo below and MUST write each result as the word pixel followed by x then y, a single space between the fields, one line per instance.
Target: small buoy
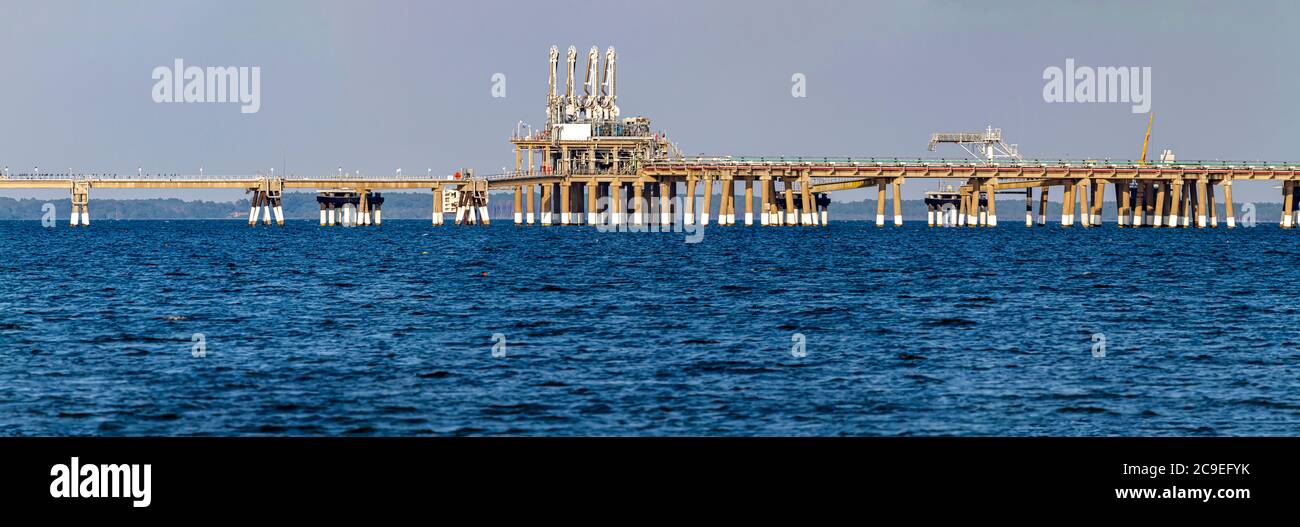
pixel 484 273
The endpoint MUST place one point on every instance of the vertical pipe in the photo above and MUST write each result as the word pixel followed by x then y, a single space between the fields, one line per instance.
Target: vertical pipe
pixel 764 197
pixel 592 187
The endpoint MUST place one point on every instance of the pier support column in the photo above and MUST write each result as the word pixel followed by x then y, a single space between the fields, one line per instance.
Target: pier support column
pixel 880 203
pixel 616 203
pixel 519 200
pixel 1288 203
pixel 529 201
pixel 547 203
pixel 1029 207
pixel 1160 205
pixel 592 197
pixel 808 218
pixel 252 211
pixel 1175 201
pixel 322 213
pixel 1188 205
pixel 898 202
pixel 991 191
pixel 1067 205
pixel 764 200
pixel 1213 209
pixel 1139 204
pixel 706 206
pixel 1228 211
pixel 749 202
pixel 790 218
pixel 638 203
pixel 1085 203
pixel 1122 203
pixel 1043 191
pixel 1098 197
pixel 566 202
pixel 437 207
pixel 665 204
pixel 1200 204
pixel 688 214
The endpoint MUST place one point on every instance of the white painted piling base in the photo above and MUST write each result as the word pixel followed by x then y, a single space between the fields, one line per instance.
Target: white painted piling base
pixel 85 218
pixel 72 221
pixel 483 215
pixel 564 218
pixel 665 218
pixel 704 219
pixel 826 216
pixel 546 218
pixel 1029 220
pixel 1096 219
pixel 880 220
pixel 528 218
pixel 764 219
pixel 1232 222
pixel 992 220
pixel 279 215
pixel 322 217
pixel 1200 221
pixel 749 219
pixel 519 218
pixel 898 220
pixel 252 216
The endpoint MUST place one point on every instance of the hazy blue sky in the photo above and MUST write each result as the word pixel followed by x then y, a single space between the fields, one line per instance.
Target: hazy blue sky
pixel 377 85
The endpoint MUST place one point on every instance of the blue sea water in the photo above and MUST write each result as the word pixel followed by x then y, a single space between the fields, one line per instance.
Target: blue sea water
pixel 390 331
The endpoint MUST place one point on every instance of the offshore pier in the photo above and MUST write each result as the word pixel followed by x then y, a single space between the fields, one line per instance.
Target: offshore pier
pixel 589 165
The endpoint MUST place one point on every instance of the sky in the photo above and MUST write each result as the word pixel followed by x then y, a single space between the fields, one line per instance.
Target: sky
pixel 373 86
